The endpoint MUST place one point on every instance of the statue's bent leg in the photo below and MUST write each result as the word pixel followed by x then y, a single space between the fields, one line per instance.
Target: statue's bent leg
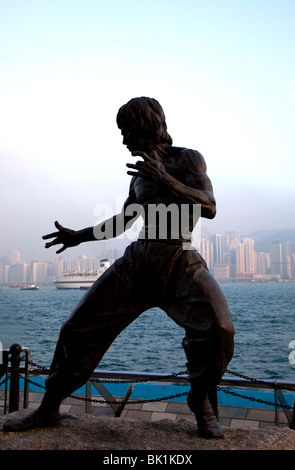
pixel 105 310
pixel 208 343
pixel 208 355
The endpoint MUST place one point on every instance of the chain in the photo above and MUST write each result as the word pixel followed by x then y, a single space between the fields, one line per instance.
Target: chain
pixel 116 402
pixel 131 402
pixel 94 400
pixel 37 365
pixel 258 400
pixel 152 379
pixel 260 382
pixel 257 381
pixel 178 395
pixel 5 380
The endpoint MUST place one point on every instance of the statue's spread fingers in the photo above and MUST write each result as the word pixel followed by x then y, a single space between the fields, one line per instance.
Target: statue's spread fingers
pixel 58 226
pixel 61 249
pixel 137 165
pixel 54 242
pixel 135 173
pixel 50 235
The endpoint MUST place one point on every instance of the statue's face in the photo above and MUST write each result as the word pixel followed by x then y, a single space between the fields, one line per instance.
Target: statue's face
pixel 133 141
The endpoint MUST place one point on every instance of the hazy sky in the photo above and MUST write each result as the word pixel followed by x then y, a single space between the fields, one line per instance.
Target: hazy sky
pixel 223 70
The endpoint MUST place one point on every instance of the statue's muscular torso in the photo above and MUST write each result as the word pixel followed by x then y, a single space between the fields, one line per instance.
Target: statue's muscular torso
pixel 186 166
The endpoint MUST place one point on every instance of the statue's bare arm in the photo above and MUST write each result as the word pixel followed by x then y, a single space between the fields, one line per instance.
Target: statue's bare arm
pixel 110 228
pixel 197 188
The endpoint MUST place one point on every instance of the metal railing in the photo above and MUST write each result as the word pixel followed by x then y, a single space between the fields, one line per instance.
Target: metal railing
pixel 98 378
pixel 12 372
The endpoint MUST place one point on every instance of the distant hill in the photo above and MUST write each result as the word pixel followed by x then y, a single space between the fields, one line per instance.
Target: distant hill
pixel 264 237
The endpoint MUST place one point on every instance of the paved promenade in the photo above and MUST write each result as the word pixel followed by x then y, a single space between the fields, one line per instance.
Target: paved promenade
pixel 229 416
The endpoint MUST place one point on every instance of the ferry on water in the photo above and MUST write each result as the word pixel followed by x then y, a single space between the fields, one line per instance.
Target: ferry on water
pixel 30 286
pixel 81 280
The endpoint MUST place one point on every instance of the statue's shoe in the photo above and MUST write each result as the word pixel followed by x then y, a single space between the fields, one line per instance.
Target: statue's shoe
pixel 210 429
pixel 33 420
pixel 208 425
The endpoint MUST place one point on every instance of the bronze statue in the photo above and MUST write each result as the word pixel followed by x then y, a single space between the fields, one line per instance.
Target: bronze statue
pixel 155 271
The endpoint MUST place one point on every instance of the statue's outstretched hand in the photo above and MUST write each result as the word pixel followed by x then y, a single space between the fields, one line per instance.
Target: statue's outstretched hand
pixel 64 236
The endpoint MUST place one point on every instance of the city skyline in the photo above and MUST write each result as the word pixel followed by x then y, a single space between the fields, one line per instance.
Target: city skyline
pixel 120 243
pixel 229 256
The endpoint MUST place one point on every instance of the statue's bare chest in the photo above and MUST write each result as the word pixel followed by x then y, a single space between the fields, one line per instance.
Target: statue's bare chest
pixel 148 192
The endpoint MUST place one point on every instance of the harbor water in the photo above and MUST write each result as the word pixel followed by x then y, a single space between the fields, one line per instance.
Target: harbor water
pixel 263 316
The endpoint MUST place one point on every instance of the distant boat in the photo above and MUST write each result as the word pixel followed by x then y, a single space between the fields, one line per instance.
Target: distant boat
pixel 81 280
pixel 16 286
pixel 30 286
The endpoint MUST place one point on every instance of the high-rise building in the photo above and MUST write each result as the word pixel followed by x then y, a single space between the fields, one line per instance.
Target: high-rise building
pixel 276 256
pixel 206 251
pixel 38 272
pixel 292 265
pixel 246 258
pixel 262 263
pixel 286 270
pixel 280 255
pixel 250 256
pixel 240 260
pixel 218 247
pixel 18 273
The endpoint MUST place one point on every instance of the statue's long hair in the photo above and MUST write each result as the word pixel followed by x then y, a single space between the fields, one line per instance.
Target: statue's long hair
pixel 146 118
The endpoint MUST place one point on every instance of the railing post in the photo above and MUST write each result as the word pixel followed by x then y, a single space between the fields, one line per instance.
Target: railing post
pixel 27 376
pixel 15 350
